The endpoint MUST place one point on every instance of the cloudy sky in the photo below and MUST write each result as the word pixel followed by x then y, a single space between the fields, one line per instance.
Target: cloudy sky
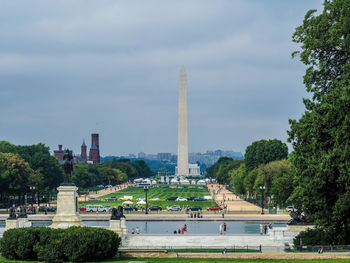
pixel 70 68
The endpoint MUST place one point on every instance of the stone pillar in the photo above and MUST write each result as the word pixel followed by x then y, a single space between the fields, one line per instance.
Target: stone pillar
pixel 67 213
pixel 123 226
pixel 11 223
pixel 182 133
pixel 115 226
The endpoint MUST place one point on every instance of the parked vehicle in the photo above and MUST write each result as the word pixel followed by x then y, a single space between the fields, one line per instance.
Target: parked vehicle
pixel 126 198
pixel 181 199
pixel 93 199
pixel 155 208
pixel 289 208
pixel 200 199
pixel 172 198
pixel 194 208
pixel 83 208
pixel 109 186
pixel 174 208
pixel 154 199
pixel 96 208
pixel 130 208
pixel 111 198
pixel 141 199
pixel 47 208
pixel 214 208
pixel 190 198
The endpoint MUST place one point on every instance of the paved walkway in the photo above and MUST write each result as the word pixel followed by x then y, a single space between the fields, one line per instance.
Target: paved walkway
pixel 103 192
pixel 233 202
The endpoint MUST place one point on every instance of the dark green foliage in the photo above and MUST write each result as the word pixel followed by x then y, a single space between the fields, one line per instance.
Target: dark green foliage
pixel 321 137
pixel 47 171
pixel 312 237
pixel 75 244
pixel 19 243
pixel 220 170
pixel 263 152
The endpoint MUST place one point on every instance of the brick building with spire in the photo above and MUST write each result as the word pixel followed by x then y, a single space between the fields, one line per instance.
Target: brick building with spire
pixel 94 154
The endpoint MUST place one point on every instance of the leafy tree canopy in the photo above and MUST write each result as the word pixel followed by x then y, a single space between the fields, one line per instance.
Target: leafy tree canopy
pixel 263 152
pixel 321 137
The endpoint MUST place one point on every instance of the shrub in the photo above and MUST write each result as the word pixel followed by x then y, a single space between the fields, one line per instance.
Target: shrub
pixel 312 237
pixel 75 244
pixel 18 243
pixel 85 243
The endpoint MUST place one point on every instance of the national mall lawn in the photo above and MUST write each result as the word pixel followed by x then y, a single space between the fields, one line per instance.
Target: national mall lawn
pixel 158 191
pixel 200 260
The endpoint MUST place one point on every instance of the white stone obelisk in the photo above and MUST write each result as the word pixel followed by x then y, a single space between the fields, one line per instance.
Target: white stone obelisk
pixel 182 133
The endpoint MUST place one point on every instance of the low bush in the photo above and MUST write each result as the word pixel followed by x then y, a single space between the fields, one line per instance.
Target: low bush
pixel 75 244
pixel 312 237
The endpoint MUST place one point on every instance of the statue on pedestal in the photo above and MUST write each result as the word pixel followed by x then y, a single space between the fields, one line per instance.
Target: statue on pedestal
pixel 22 212
pixel 297 218
pixel 117 213
pixel 12 214
pixel 67 167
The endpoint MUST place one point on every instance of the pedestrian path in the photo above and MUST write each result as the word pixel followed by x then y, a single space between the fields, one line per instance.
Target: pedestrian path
pixel 226 198
pixel 103 192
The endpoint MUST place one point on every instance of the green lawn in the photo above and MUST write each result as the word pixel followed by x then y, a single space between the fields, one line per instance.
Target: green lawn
pixel 200 260
pixel 161 193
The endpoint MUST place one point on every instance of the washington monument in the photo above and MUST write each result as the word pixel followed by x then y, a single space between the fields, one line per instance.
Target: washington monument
pixel 182 132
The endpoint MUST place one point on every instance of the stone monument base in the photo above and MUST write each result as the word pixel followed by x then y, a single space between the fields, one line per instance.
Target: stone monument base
pixel 67 213
pixel 119 226
pixel 17 223
pixel 11 223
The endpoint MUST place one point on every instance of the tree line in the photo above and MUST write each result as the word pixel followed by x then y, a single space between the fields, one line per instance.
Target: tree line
pixel 30 170
pixel 265 165
pixel 316 175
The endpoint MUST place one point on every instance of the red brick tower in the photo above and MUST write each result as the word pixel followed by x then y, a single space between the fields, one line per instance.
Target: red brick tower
pixel 94 154
pixel 83 152
pixel 59 153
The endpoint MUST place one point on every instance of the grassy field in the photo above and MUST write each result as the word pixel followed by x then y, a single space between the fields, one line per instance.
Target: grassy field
pixel 200 260
pixel 161 193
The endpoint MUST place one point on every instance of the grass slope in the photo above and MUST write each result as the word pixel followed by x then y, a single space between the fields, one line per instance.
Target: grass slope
pixel 161 193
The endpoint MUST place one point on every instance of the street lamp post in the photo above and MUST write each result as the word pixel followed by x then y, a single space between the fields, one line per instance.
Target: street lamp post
pixel 146 188
pixel 262 188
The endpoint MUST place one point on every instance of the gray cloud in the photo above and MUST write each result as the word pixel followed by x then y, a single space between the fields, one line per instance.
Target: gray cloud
pixel 69 68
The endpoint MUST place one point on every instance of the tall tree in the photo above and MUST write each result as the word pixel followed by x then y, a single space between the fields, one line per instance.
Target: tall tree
pixel 14 174
pixel 321 137
pixel 263 152
pixel 237 179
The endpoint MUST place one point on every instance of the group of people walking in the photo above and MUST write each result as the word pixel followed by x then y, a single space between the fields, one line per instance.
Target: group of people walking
pixel 181 230
pixel 263 228
pixel 222 228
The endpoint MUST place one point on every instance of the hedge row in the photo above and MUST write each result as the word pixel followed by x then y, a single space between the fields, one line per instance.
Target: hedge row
pixel 75 244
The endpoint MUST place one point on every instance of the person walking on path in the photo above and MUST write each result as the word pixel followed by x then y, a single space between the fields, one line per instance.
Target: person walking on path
pixel 137 230
pixel 220 228
pixel 224 228
pixel 265 228
pixel 261 229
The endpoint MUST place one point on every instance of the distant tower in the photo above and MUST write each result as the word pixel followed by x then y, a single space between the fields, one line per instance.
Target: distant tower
pixel 83 152
pixel 94 154
pixel 59 153
pixel 182 132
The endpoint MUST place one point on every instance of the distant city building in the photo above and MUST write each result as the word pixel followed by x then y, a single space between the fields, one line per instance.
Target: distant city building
pixel 164 157
pixel 94 154
pixel 152 157
pixel 141 155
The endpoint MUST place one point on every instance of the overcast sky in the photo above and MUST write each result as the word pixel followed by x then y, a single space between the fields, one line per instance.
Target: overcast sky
pixel 70 68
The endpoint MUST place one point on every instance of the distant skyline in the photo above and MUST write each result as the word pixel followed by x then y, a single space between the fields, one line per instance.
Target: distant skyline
pixel 72 68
